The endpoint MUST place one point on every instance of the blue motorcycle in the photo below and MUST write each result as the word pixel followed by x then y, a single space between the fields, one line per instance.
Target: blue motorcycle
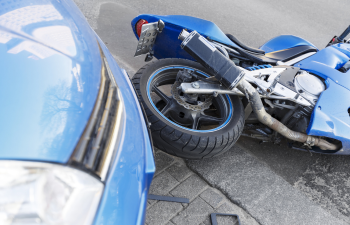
pixel 207 89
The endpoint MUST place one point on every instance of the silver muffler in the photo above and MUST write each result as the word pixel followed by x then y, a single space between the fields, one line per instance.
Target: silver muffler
pixel 183 35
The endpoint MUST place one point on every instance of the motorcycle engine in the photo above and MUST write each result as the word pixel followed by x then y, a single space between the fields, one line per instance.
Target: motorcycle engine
pixel 309 86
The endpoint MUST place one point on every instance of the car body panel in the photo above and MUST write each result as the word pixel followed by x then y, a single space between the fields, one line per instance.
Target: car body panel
pixel 125 196
pixel 50 79
pixel 283 42
pixel 51 63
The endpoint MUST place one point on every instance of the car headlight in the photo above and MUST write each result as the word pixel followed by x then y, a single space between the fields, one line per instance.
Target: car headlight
pixel 43 193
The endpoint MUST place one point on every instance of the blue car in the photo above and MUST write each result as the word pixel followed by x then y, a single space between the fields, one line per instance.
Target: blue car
pixel 75 147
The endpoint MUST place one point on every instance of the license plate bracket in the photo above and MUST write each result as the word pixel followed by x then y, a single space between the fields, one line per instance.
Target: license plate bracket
pixel 148 37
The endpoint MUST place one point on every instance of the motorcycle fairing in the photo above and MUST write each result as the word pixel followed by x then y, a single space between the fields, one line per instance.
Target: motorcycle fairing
pixel 325 64
pixel 330 117
pixel 344 48
pixel 333 57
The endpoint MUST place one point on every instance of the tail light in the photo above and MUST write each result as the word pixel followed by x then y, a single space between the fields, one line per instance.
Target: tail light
pixel 139 26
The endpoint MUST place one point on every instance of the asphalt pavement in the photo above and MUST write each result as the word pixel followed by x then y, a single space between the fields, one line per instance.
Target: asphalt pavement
pixel 274 184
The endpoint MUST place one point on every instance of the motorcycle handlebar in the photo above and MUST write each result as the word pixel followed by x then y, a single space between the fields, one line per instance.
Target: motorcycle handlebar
pixel 344 34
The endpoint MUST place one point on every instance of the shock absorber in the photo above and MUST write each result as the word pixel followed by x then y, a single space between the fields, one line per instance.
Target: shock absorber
pixel 206 54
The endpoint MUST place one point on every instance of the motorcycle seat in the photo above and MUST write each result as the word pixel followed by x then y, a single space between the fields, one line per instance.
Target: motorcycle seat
pixel 246 47
pixel 259 56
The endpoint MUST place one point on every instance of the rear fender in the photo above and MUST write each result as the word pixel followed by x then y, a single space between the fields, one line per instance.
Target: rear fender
pixel 167 44
pixel 283 42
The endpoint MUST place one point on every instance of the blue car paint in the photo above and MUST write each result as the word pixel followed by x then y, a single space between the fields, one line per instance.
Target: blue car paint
pixel 167 44
pixel 50 78
pixel 283 42
pixel 49 87
pixel 125 195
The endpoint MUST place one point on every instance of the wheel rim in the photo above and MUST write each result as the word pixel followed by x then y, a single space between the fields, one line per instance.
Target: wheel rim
pixel 213 119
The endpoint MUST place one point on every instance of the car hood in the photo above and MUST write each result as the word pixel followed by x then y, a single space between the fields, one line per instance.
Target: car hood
pixel 50 66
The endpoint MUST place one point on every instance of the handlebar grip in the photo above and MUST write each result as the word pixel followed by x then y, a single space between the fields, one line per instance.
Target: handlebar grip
pixel 344 34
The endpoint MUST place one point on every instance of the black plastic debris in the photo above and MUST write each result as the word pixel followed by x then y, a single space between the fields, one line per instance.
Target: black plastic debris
pixel 186 200
pixel 215 222
pixel 168 198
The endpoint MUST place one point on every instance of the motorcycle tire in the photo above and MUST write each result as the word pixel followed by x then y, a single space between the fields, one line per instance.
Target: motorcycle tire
pixel 172 136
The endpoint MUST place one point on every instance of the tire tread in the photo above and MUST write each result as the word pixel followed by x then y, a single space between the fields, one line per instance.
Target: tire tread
pixel 170 140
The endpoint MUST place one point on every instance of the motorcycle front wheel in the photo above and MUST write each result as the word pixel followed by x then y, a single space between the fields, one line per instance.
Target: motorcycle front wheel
pixel 201 128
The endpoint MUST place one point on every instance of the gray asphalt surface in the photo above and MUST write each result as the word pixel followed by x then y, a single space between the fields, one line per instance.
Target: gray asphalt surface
pixel 321 180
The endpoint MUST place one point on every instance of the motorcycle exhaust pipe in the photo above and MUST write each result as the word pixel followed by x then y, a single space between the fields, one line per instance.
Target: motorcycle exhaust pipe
pixel 265 118
pixel 183 35
pixel 206 54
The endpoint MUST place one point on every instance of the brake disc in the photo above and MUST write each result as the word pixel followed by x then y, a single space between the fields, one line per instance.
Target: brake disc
pixel 181 100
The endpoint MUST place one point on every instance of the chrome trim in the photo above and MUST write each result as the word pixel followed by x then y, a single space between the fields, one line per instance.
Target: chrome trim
pixel 115 136
pixel 183 35
pixel 101 129
pixel 80 149
pixel 97 145
pixel 110 75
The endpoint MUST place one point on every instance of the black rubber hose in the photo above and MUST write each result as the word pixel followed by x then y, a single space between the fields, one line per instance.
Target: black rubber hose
pixel 233 55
